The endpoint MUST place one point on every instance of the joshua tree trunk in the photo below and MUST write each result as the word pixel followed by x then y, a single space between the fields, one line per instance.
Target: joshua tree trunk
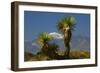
pixel 67 52
pixel 67 39
pixel 44 48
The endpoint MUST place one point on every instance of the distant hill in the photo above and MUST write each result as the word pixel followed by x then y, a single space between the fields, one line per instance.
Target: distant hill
pixel 80 43
pixel 28 47
pixel 77 43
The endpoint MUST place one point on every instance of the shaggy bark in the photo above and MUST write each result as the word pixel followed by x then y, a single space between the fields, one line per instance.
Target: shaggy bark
pixel 67 39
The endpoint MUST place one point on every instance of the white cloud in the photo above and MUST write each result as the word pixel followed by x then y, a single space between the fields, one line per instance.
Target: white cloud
pixel 34 44
pixel 56 35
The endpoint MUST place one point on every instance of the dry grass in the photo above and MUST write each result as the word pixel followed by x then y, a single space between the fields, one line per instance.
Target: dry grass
pixel 79 54
pixel 73 55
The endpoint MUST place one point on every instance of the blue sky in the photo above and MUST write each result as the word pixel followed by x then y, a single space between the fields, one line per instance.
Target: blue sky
pixel 37 22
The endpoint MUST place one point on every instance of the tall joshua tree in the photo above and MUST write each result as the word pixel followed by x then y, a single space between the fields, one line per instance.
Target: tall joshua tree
pixel 66 25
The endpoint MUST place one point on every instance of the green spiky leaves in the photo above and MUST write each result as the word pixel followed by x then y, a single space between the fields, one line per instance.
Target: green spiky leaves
pixel 68 21
pixel 43 38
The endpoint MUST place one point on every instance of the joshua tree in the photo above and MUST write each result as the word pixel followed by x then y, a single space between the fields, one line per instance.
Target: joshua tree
pixel 48 49
pixel 44 39
pixel 66 26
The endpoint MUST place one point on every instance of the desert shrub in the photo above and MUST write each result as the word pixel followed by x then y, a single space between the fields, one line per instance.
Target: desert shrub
pixel 27 56
pixel 50 50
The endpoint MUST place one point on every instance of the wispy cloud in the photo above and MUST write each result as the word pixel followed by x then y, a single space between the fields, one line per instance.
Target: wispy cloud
pixel 34 44
pixel 56 35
